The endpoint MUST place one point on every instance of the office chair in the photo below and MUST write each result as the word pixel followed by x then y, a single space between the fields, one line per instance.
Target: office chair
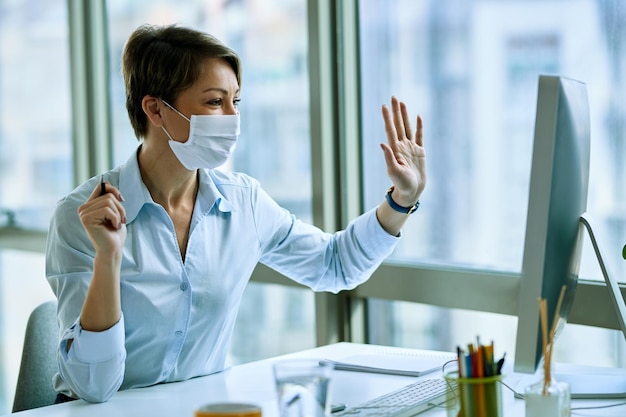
pixel 38 365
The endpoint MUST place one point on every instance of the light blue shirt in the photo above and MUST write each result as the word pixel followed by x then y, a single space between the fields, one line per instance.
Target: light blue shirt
pixel 178 317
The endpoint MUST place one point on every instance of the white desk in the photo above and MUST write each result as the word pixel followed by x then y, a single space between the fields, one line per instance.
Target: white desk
pixel 254 383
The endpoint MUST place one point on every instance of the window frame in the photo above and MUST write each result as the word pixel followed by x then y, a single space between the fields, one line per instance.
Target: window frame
pixel 336 179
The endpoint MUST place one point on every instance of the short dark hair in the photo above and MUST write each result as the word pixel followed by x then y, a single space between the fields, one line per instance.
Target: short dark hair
pixel 162 61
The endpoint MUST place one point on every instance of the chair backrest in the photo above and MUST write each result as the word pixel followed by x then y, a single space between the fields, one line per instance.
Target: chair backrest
pixel 38 366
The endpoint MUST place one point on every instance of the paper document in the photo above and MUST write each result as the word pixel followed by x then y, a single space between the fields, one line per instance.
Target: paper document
pixel 394 363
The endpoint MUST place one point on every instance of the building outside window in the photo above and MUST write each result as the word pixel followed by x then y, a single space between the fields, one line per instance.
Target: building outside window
pixel 471 69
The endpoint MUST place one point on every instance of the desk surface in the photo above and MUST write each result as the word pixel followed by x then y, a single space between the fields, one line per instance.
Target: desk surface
pixel 254 383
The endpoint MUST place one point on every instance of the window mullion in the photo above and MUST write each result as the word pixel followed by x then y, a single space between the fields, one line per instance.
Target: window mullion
pixel 91 128
pixel 324 150
pixel 348 81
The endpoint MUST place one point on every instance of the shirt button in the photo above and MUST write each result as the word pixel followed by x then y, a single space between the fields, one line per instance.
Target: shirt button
pixel 178 333
pixel 184 286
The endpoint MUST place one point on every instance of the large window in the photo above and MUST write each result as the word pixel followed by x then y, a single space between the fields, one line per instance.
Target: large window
pixel 35 159
pixel 470 69
pixel 35 139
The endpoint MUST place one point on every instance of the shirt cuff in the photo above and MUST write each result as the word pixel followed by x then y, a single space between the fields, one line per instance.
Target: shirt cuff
pixel 372 236
pixel 95 347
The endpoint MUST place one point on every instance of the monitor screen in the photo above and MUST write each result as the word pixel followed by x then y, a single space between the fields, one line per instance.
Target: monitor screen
pixel 557 199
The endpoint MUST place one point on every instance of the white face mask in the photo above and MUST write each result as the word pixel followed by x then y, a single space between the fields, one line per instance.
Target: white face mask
pixel 211 142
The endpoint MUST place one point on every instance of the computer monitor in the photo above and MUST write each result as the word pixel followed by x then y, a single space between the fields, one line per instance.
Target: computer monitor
pixel 556 221
pixel 559 180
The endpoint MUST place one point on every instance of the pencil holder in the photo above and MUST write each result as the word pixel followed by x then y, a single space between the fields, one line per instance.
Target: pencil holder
pixel 474 397
pixel 547 399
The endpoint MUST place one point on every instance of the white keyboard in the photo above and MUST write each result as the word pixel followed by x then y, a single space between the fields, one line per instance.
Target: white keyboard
pixel 407 401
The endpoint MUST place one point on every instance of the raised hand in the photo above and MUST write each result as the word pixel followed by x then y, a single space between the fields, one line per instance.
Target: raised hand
pixel 404 153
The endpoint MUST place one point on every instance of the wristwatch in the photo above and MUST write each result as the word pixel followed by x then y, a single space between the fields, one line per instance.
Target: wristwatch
pixel 399 208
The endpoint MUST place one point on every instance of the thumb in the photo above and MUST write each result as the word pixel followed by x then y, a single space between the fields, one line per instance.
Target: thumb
pixel 390 158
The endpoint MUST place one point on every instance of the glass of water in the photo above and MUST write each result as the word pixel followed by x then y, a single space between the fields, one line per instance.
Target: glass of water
pixel 303 387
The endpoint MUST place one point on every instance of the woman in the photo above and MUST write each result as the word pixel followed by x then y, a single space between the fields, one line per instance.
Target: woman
pixel 150 261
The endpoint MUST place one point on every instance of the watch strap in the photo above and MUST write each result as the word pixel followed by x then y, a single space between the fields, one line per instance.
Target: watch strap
pixel 399 208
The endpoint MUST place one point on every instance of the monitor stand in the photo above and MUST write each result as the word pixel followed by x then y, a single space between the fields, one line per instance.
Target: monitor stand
pixel 611 282
pixel 595 382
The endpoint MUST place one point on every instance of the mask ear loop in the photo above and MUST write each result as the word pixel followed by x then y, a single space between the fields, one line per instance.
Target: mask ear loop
pixel 179 113
pixel 172 107
pixel 167 133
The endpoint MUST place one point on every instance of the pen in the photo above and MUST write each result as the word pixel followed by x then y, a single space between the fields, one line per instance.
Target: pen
pixel 103 187
pixel 499 365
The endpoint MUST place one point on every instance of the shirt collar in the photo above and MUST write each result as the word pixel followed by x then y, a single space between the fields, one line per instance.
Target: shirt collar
pixel 136 193
pixel 209 195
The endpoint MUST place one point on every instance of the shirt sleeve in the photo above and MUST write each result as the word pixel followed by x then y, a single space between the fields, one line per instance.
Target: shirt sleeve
pixel 94 366
pixel 320 260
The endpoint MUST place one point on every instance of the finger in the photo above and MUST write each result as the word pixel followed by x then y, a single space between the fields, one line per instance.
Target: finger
pixel 116 206
pixel 420 131
pixel 107 188
pixel 390 129
pixel 106 216
pixel 405 119
pixel 104 209
pixel 117 219
pixel 397 118
pixel 112 218
pixel 120 209
pixel 111 200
